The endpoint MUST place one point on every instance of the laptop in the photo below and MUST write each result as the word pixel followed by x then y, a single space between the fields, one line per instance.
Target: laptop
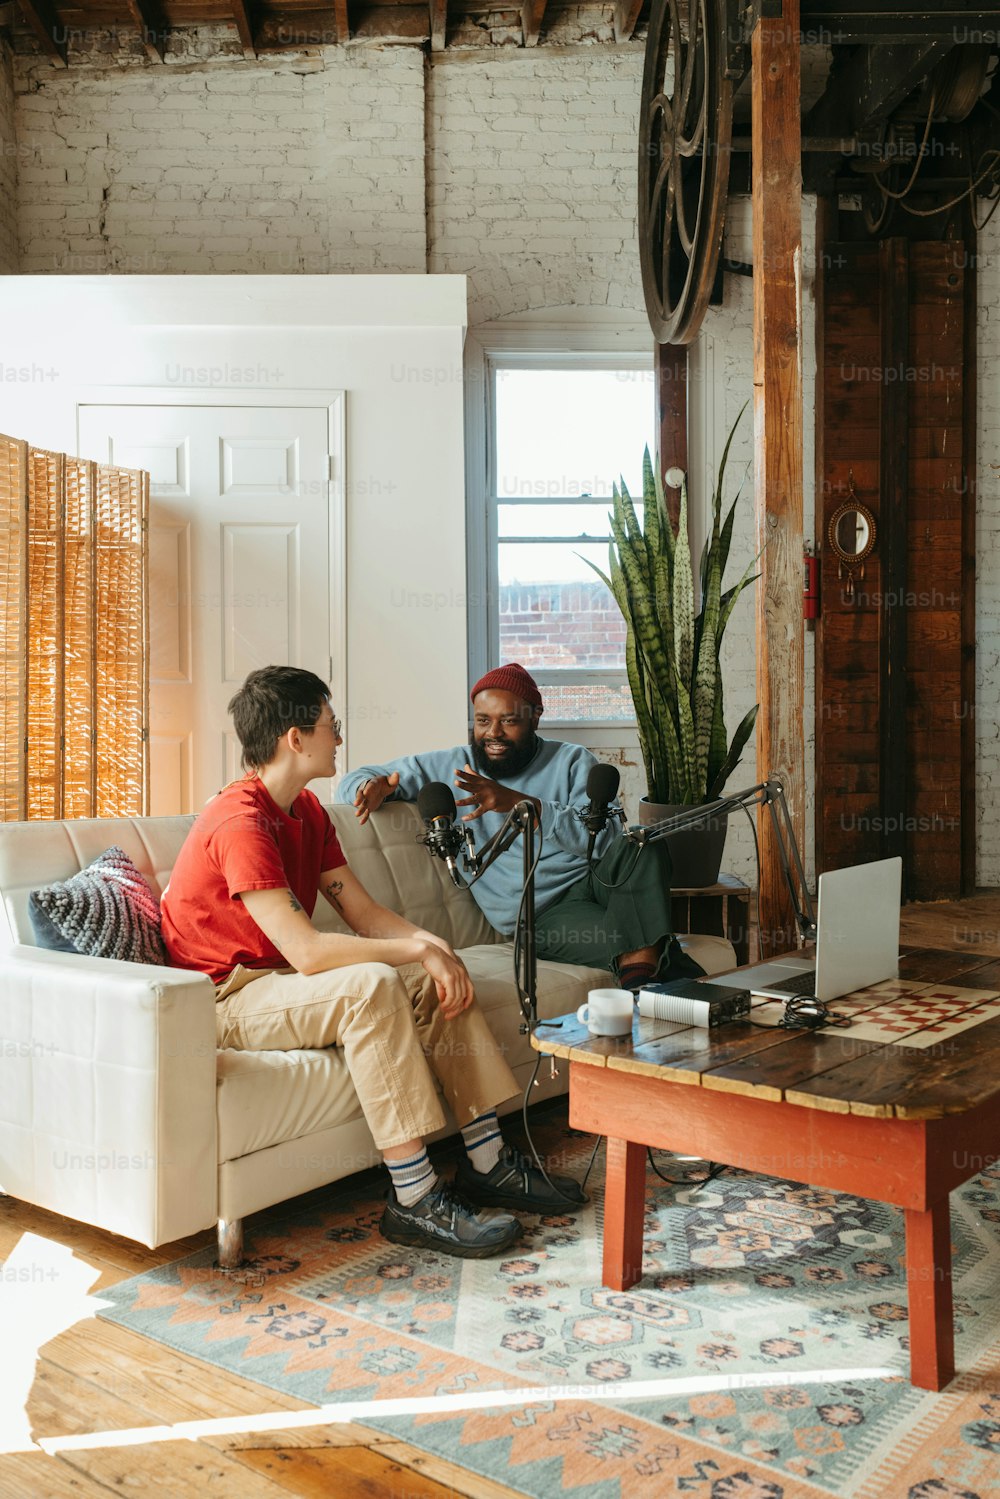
pixel 857 938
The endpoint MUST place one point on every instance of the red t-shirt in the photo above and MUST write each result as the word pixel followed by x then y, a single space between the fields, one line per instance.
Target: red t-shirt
pixel 243 841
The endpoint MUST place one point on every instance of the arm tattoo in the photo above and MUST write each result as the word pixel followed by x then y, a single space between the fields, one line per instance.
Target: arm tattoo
pixel 332 892
pixel 294 903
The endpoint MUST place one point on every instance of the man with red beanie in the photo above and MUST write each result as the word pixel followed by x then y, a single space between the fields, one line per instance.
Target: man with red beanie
pixel 614 914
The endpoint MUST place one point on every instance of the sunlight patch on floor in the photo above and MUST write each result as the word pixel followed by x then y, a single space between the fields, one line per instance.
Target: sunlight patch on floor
pixel 43 1292
pixel 368 1410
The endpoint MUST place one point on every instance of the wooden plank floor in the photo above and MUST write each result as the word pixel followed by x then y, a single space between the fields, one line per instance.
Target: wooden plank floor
pixel 97 1375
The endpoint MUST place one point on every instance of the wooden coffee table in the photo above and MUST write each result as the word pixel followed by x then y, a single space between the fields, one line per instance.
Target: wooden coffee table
pixel 902 1107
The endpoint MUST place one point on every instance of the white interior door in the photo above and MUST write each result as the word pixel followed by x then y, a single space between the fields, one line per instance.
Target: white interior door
pixel 242 564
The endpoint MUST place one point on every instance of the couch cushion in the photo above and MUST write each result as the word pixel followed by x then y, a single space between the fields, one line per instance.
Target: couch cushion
pixel 562 987
pixel 107 910
pixel 39 853
pixel 399 873
pixel 715 954
pixel 265 1097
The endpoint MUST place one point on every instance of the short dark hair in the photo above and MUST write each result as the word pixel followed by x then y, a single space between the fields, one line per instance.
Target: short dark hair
pixel 271 701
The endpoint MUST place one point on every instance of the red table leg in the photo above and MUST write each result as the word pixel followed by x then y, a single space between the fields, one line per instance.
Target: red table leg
pixel 928 1279
pixel 624 1205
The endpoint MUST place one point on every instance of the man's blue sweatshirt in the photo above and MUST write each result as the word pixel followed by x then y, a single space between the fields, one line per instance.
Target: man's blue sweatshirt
pixel 556 776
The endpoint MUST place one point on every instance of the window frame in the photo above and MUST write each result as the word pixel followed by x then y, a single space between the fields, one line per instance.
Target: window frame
pixel 529 347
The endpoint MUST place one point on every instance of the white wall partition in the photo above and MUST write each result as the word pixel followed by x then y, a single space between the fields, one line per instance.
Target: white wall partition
pixel 391 344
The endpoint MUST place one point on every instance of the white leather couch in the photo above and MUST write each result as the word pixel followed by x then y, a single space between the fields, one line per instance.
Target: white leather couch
pixel 117 1109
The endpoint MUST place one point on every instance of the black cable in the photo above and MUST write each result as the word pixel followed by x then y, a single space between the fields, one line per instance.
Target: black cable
pixel 715 1168
pixel 534 1151
pixel 806 1012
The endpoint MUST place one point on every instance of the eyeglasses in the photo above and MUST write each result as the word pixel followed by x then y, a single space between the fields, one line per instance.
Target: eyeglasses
pixel 329 723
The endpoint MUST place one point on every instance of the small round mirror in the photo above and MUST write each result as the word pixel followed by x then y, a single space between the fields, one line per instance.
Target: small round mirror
pixel 852 532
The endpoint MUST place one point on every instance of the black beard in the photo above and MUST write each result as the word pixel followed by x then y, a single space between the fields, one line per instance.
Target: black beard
pixel 517 757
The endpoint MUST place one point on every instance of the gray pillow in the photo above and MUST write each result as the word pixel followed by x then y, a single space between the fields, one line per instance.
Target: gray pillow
pixel 108 910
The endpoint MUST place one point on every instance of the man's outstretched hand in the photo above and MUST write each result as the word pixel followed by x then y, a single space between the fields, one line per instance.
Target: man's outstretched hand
pixel 486 795
pixel 372 794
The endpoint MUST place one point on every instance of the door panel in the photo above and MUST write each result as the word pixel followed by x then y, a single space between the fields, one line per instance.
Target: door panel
pixel 240 574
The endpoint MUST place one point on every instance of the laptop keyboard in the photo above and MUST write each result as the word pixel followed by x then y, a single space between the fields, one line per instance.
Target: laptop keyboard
pixel 800 983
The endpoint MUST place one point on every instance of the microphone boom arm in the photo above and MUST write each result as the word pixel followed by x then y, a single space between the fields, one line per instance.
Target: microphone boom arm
pixel 770 794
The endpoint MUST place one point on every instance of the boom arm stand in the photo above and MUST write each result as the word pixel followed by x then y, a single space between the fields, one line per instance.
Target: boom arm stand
pixel 770 794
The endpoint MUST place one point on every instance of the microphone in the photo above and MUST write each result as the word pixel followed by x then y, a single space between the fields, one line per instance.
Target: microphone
pixel 602 788
pixel 436 804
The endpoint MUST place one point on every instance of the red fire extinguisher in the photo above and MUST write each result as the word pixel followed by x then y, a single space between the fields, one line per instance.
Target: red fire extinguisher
pixel 810 592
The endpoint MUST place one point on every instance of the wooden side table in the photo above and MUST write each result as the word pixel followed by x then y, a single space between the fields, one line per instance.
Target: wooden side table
pixel 721 910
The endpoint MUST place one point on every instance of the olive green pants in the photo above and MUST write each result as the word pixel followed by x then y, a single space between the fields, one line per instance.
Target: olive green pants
pixel 620 905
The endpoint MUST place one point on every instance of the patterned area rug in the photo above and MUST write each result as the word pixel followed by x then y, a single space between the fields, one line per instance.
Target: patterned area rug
pixel 744 1275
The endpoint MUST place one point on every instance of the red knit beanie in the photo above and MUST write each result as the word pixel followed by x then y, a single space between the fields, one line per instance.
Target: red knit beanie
pixel 512 678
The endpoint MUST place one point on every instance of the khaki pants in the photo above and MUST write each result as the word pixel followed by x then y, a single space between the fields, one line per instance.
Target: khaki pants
pixel 393 1035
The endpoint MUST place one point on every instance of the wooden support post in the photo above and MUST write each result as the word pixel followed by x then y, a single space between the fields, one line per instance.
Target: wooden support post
pixel 894 486
pixel 969 445
pixel 777 267
pixel 671 368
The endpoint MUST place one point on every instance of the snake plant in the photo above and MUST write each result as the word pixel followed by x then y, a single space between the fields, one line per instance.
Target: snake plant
pixel 671 653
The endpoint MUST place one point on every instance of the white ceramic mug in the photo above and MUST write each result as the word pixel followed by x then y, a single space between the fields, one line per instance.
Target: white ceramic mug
pixel 608 1012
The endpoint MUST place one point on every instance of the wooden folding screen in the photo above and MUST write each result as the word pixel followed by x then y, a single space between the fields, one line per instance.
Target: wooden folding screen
pixel 13 603
pixel 74 652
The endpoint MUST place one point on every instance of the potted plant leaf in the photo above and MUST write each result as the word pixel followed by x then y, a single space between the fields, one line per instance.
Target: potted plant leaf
pixel 672 656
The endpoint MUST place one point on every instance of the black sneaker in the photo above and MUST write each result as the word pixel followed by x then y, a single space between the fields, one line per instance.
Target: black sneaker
pixel 515 1183
pixel 443 1220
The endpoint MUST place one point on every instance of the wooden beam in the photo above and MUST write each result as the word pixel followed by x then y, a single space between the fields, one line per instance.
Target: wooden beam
pixel 671 368
pixel 532 16
pixel 847 22
pixel 392 24
pixel 341 22
pixel 970 364
pixel 151 27
pixel 439 24
pixel 893 540
pixel 241 16
pixel 43 21
pixel 777 260
pixel 626 18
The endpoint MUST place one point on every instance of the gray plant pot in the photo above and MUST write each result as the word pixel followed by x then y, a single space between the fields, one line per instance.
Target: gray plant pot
pixel 696 853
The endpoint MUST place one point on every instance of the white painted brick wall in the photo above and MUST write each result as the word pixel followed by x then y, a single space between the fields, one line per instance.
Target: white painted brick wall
pixel 310 165
pixel 987 706
pixel 531 178
pixel 8 167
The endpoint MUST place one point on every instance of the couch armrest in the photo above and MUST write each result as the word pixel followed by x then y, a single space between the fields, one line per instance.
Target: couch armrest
pixel 107 1092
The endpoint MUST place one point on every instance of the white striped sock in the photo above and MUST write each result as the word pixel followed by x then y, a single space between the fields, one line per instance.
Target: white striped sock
pixel 412 1178
pixel 483 1141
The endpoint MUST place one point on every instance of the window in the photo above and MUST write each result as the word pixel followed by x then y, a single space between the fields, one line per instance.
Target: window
pixel 561 430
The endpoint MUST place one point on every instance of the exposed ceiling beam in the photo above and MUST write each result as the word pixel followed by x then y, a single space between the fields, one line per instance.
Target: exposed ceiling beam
pixel 241 17
pixel 626 18
pixel 41 17
pixel 392 24
pixel 341 22
pixel 151 27
pixel 439 24
pixel 866 86
pixel 532 16
pixel 840 22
